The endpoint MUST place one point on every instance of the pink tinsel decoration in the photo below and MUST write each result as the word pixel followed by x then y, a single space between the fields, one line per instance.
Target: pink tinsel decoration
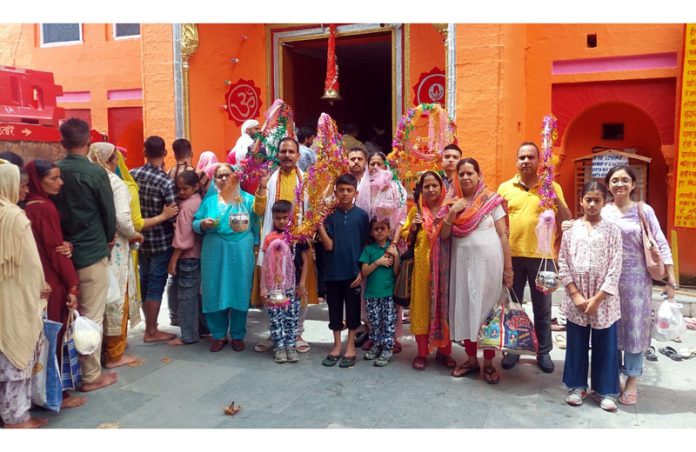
pixel 280 274
pixel 547 204
pixel 544 232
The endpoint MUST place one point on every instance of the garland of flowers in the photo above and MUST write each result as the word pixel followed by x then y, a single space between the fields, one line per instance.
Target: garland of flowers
pixel 331 163
pixel 411 153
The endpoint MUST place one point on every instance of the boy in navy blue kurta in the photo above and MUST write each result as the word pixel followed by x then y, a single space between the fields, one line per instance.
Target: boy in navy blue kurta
pixel 344 235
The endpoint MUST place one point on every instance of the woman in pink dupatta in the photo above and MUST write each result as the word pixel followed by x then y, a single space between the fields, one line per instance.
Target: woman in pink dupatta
pixel 470 265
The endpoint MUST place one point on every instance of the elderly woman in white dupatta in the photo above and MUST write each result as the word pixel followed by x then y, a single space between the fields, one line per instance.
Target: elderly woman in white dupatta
pixel 121 264
pixel 241 147
pixel 21 304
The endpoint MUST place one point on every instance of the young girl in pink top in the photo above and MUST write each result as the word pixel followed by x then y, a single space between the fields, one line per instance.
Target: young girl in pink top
pixel 185 263
pixel 589 268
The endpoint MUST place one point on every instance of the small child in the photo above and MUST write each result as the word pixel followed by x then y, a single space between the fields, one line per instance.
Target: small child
pixel 380 265
pixel 183 153
pixel 284 268
pixel 343 235
pixel 185 263
pixel 589 268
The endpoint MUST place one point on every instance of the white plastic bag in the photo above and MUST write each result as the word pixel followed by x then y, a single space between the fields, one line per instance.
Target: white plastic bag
pixel 669 322
pixel 87 335
pixel 113 296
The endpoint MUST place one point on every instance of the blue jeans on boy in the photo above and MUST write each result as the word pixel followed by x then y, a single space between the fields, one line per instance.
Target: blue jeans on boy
pixel 605 359
pixel 283 322
pixel 632 364
pixel 381 313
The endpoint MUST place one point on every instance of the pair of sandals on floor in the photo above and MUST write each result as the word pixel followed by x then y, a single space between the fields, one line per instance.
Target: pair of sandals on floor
pixel 671 353
pixel 490 374
pixel 301 346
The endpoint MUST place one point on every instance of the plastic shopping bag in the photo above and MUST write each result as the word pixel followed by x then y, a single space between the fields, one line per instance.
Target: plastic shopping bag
pixel 46 384
pixel 669 322
pixel 492 329
pixel 70 362
pixel 520 337
pixel 87 335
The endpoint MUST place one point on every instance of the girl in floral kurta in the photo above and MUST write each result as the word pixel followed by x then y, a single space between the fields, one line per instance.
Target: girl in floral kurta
pixel 589 268
pixel 635 283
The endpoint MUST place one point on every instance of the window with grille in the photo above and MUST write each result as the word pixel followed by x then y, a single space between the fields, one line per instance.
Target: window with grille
pixel 60 34
pixel 126 30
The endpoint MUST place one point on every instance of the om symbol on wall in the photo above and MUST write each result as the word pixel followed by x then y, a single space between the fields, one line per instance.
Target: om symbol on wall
pixel 243 101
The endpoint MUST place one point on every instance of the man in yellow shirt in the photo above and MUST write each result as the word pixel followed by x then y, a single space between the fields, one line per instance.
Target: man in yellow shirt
pixel 523 199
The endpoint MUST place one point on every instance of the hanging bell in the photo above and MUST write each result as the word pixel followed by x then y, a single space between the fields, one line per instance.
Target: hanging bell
pixel 331 95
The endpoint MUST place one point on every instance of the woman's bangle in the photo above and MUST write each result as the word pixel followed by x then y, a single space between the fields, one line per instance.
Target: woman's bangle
pixel 74 291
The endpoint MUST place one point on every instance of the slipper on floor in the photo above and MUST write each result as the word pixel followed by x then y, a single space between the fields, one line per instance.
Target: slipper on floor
pixel 491 375
pixel 465 369
pixel 628 399
pixel 302 346
pixel 263 345
pixel 330 360
pixel 560 341
pixel 671 353
pixel 687 353
pixel 650 354
pixel 347 361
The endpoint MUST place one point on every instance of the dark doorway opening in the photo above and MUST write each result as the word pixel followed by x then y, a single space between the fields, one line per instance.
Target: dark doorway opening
pixel 365 78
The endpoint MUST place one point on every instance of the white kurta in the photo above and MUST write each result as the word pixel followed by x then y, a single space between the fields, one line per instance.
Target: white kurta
pixel 476 275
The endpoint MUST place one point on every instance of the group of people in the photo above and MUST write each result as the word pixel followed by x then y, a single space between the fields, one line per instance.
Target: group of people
pixel 218 242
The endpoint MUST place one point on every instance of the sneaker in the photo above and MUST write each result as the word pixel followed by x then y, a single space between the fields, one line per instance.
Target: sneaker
pixel 291 353
pixel 545 363
pixel 372 353
pixel 510 360
pixel 575 396
pixel 608 404
pixel 280 355
pixel 384 358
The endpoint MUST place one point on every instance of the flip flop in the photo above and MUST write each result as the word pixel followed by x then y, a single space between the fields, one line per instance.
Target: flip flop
pixel 347 361
pixel 330 360
pixel 491 375
pixel 263 345
pixel 650 354
pixel 302 346
pixel 671 353
pixel 465 369
pixel 687 353
pixel 628 399
pixel 561 341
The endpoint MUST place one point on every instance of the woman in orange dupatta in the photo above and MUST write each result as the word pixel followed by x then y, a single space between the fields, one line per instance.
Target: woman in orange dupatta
pixel 472 261
pixel 420 230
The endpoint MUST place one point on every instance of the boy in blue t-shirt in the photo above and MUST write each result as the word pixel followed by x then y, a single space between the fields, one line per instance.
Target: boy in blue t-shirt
pixel 380 265
pixel 343 235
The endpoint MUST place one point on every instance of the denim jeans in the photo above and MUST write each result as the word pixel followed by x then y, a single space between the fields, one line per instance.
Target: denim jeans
pixel 605 358
pixel 153 274
pixel 184 296
pixel 632 364
pixel 525 269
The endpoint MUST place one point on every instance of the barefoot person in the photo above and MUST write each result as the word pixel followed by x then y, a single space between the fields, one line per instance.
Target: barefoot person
pixel 156 191
pixel 59 272
pixel 120 262
pixel 88 221
pixel 21 305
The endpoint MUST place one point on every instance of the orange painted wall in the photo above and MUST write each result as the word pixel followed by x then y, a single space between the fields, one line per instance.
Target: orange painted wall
pixel 158 84
pixel 210 66
pixel 426 51
pixel 99 64
pixel 490 95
